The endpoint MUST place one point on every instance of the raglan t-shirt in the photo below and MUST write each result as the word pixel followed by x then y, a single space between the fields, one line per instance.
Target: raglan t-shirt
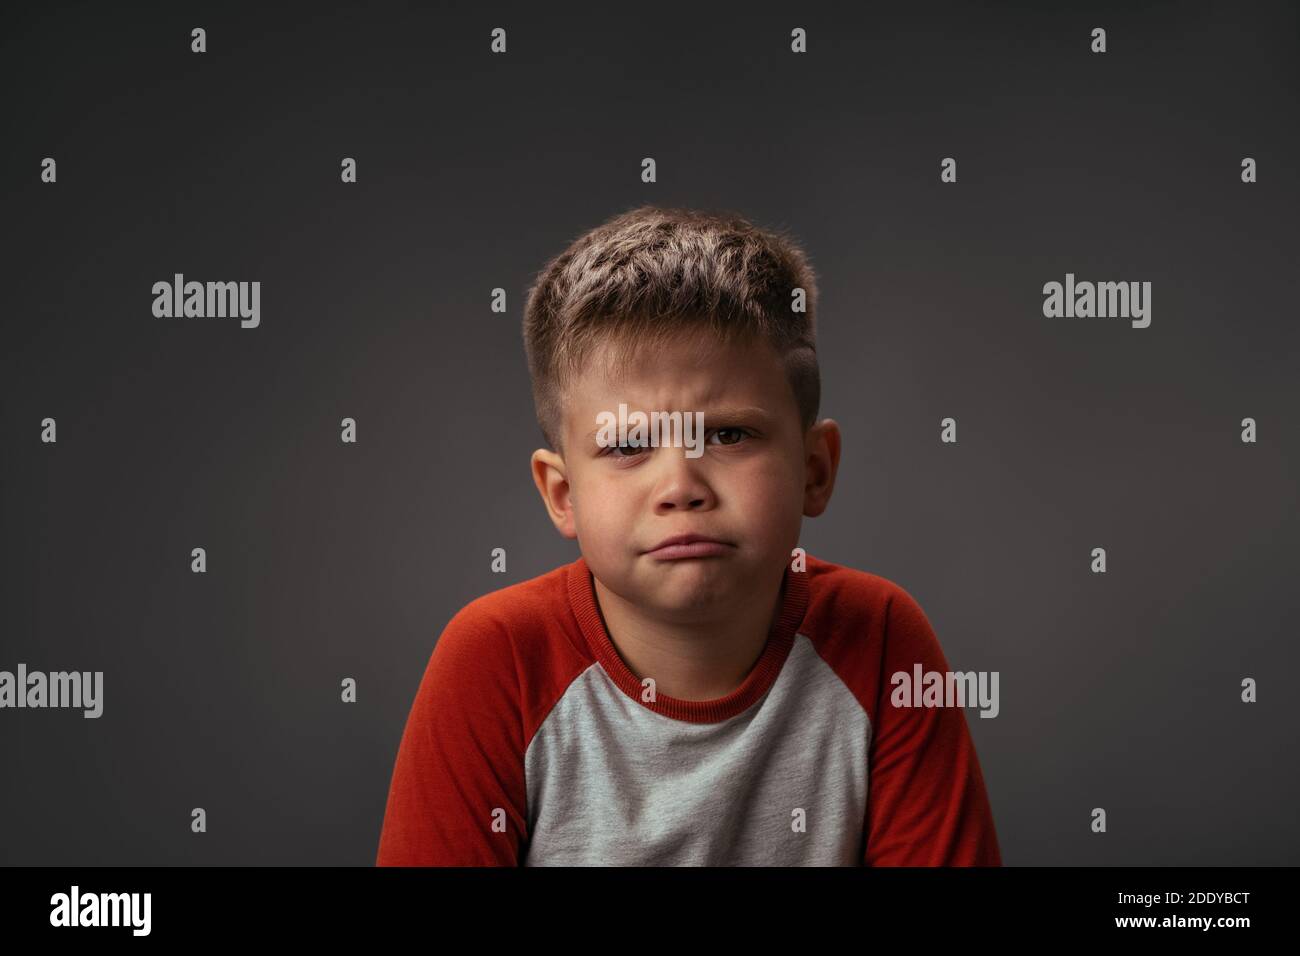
pixel 531 743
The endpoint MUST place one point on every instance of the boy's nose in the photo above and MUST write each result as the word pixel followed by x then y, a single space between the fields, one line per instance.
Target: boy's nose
pixel 681 483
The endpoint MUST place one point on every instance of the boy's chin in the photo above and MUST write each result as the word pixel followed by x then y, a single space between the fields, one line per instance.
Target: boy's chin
pixel 686 584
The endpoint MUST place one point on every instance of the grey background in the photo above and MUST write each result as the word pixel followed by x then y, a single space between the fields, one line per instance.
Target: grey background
pixel 329 560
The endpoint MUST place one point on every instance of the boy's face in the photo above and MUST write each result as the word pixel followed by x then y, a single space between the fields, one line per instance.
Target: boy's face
pixel 758 475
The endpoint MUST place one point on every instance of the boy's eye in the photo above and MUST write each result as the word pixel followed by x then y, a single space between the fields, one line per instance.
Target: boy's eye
pixel 733 430
pixel 734 434
pixel 615 449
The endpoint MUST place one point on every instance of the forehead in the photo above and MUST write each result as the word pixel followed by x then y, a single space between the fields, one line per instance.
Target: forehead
pixel 689 373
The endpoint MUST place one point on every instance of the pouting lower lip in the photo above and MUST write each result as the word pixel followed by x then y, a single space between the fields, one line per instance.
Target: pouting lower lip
pixel 695 549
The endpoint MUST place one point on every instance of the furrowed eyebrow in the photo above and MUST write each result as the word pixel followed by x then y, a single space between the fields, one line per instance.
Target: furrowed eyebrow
pixel 732 414
pixel 724 415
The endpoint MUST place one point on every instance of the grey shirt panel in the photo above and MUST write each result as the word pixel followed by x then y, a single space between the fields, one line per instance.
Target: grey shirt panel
pixel 784 783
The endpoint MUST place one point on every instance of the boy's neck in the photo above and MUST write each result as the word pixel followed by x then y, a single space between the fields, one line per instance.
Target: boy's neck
pixel 696 661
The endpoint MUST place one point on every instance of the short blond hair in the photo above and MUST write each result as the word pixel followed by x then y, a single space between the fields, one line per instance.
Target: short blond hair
pixel 654 273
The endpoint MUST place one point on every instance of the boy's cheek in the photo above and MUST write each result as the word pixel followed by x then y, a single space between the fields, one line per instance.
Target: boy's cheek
pixel 769 494
pixel 603 534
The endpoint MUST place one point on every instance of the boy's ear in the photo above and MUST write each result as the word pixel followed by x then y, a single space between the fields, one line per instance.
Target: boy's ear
pixel 552 480
pixel 822 458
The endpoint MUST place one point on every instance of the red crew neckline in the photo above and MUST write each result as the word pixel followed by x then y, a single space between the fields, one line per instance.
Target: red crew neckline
pixel 794 601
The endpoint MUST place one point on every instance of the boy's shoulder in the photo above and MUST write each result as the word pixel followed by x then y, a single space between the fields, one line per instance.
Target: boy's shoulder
pixel 527 627
pixel 846 590
pixel 521 603
pixel 865 624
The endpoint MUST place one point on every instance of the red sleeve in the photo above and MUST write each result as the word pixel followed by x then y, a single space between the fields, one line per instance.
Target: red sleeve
pixel 926 802
pixel 457 795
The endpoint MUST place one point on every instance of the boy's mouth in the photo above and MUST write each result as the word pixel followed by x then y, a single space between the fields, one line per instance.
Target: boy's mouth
pixel 688 546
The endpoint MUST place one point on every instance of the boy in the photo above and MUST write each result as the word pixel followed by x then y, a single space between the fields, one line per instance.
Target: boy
pixel 694 689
